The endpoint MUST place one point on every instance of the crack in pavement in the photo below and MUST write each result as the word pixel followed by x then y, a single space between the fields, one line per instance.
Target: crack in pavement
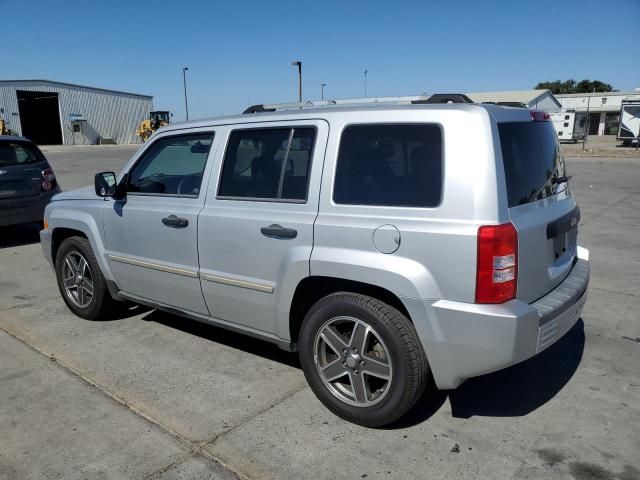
pixel 194 447
pixel 214 440
pixel 604 210
pixel 600 289
pixel 26 304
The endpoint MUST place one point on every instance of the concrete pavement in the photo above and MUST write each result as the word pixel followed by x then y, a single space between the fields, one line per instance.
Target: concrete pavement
pixel 151 394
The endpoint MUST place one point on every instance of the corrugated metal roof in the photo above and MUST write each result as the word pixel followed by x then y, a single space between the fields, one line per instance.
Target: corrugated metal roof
pixel 522 96
pixel 73 85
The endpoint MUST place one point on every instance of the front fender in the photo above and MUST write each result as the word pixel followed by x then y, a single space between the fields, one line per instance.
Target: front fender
pixel 72 218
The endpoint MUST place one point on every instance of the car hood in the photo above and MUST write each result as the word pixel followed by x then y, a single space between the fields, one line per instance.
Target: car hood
pixel 84 193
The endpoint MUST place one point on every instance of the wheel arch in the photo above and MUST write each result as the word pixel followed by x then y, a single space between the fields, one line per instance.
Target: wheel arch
pixel 65 223
pixel 313 288
pixel 59 235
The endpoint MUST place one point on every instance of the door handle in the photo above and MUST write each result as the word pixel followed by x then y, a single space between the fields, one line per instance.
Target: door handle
pixel 278 231
pixel 175 222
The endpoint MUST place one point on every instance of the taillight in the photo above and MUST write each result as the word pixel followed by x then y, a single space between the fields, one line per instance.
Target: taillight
pixel 497 274
pixel 537 116
pixel 48 179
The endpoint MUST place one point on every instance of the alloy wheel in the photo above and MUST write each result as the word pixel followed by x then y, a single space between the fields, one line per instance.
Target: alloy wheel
pixel 77 279
pixel 353 361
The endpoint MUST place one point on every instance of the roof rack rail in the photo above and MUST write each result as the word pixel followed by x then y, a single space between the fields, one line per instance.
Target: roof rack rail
pixel 445 98
pixel 507 104
pixel 400 100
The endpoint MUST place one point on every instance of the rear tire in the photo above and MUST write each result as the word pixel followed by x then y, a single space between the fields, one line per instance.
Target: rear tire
pixel 362 358
pixel 80 281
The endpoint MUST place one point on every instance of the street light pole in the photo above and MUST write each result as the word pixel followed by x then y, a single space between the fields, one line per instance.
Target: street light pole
pixel 184 83
pixel 365 82
pixel 298 63
pixel 322 85
pixel 587 123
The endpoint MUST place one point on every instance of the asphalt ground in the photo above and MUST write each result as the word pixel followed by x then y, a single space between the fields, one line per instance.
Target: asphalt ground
pixel 151 395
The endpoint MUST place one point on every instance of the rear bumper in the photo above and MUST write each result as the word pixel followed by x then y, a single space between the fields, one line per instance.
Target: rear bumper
pixel 24 210
pixel 466 340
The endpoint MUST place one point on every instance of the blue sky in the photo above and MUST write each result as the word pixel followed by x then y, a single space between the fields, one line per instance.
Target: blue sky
pixel 240 53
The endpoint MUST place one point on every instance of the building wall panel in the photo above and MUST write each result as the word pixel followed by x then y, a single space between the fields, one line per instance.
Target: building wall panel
pixel 112 115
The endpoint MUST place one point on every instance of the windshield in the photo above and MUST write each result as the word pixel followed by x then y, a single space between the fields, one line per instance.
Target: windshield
pixel 532 161
pixel 19 153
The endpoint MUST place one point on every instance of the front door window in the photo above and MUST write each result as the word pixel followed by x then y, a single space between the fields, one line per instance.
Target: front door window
pixel 172 166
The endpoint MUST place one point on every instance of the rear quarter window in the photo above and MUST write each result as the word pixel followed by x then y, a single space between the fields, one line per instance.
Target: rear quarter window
pixel 396 165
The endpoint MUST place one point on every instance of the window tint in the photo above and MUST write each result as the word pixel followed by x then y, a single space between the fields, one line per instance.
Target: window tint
pixel 172 166
pixel 531 156
pixel 19 153
pixel 394 165
pixel 268 164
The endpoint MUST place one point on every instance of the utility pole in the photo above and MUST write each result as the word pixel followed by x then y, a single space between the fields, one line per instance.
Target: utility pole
pixel 322 85
pixel 184 83
pixel 365 82
pixel 298 63
pixel 587 123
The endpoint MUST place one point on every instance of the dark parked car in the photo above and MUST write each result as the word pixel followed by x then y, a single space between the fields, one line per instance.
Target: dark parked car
pixel 27 181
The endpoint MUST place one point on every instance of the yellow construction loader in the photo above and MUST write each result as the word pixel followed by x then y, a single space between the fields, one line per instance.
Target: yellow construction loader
pixel 156 120
pixel 4 130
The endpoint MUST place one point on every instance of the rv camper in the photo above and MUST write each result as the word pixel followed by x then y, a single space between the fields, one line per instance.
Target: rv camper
pixel 629 129
pixel 570 126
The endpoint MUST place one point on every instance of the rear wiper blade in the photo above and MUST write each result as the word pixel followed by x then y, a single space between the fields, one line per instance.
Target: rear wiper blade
pixel 554 180
pixel 562 179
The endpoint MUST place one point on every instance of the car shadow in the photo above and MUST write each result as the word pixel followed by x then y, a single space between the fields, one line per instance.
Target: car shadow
pixel 525 387
pixel 513 392
pixel 226 337
pixel 124 310
pixel 18 235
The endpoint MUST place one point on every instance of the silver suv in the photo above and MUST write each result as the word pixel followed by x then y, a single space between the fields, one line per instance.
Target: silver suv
pixel 393 246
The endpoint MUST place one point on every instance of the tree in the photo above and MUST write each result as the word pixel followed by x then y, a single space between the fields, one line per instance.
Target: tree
pixel 571 86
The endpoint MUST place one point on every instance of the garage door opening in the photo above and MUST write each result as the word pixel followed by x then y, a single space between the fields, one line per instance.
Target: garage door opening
pixel 40 117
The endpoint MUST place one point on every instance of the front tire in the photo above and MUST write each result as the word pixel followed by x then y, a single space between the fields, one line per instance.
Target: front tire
pixel 362 358
pixel 80 281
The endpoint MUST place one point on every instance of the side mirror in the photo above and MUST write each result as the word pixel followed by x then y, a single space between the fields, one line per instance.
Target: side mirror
pixel 105 184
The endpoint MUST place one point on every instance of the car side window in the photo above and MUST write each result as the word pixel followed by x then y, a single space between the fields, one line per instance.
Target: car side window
pixel 172 166
pixel 397 165
pixel 268 164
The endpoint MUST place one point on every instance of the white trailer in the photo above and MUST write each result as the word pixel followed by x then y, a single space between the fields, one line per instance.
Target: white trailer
pixel 629 129
pixel 570 126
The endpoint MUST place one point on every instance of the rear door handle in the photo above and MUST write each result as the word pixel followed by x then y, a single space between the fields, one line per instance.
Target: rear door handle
pixel 278 231
pixel 175 222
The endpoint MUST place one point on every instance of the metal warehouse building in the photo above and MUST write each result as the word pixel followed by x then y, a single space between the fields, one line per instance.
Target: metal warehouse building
pixel 56 113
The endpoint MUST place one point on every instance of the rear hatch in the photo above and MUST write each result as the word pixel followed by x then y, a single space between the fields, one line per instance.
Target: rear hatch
pixel 21 166
pixel 541 206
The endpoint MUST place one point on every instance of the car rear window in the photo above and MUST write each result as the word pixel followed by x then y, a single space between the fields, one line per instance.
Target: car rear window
pixel 531 156
pixel 396 165
pixel 19 153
